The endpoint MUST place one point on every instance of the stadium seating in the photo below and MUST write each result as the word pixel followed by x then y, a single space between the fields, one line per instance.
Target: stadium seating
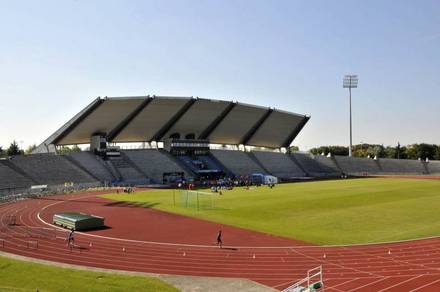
pixel 434 167
pixel 51 169
pixel 154 163
pixel 328 163
pixel 279 164
pixel 357 165
pixel 149 165
pixel 212 163
pixel 314 167
pixel 11 179
pixel 93 164
pixel 202 163
pixel 401 166
pixel 238 162
pixel 128 172
pixel 192 163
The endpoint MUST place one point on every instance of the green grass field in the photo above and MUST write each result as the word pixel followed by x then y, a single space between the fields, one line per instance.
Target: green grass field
pixel 17 275
pixel 322 212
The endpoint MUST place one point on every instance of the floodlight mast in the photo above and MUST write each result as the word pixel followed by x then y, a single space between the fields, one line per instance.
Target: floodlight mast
pixel 350 81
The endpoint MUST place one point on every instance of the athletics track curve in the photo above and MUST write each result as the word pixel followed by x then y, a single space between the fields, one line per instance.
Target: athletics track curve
pixel 273 261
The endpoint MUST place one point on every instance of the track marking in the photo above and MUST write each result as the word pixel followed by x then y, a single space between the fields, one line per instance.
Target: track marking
pixel 426 285
pixel 371 283
pixel 343 283
pixel 410 252
pixel 398 284
pixel 244 247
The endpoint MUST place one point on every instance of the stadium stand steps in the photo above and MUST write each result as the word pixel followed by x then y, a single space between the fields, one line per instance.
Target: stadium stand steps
pixel 296 162
pixel 279 165
pixel 20 171
pixel 434 167
pixel 401 166
pixel 328 164
pixel 73 161
pixel 94 164
pixel 378 165
pixel 312 166
pixel 113 170
pixel 337 164
pixel 425 166
pixel 128 172
pixel 357 166
pixel 220 165
pixel 238 162
pixel 180 163
pixel 133 165
pixel 11 179
pixel 201 164
pixel 154 163
pixel 51 169
pixel 187 161
pixel 260 164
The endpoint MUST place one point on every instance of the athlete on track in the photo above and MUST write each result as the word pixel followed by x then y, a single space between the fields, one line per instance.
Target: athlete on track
pixel 219 239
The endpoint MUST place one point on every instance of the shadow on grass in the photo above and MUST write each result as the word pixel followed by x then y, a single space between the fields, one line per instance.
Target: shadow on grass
pixel 132 204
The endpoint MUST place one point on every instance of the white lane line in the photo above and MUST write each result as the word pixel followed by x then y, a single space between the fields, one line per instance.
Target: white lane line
pixel 398 284
pixel 343 283
pixel 371 283
pixel 426 285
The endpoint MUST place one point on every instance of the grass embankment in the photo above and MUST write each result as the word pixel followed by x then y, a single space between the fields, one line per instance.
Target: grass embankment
pixel 322 212
pixel 16 275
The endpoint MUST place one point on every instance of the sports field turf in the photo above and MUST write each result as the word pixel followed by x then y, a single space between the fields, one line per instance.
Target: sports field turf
pixel 17 275
pixel 322 212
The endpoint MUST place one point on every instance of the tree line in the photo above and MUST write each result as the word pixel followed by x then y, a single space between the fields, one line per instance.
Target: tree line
pixel 412 151
pixel 14 149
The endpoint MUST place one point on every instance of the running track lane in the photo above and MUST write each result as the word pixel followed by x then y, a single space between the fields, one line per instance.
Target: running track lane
pixel 404 266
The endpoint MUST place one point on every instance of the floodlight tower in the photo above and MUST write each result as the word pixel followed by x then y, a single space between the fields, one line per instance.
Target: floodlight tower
pixel 350 81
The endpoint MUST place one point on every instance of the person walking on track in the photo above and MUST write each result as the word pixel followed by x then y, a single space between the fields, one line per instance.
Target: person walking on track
pixel 71 239
pixel 219 239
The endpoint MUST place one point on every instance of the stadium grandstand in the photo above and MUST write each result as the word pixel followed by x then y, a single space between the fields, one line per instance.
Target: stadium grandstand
pixel 182 139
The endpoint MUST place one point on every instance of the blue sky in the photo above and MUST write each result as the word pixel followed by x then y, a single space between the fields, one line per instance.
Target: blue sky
pixel 56 56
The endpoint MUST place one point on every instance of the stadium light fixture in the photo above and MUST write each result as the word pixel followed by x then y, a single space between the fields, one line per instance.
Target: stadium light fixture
pixel 350 81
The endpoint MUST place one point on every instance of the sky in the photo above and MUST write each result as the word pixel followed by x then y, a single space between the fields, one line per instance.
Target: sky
pixel 57 56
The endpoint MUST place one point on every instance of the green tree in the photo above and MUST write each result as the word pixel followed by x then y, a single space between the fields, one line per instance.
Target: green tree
pixel 67 149
pixel 14 149
pixel 292 149
pixel 426 151
pixel 437 153
pixel 334 150
pixel 2 152
pixel 390 152
pixel 320 150
pixel 411 151
pixel 30 149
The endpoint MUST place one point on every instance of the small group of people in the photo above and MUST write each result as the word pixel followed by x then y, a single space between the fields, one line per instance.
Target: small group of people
pixel 127 190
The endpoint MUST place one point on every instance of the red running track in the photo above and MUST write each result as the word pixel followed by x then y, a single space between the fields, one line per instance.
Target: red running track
pixel 147 240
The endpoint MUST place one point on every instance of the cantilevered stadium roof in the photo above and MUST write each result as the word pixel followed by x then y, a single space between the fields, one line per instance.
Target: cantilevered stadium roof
pixel 155 118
